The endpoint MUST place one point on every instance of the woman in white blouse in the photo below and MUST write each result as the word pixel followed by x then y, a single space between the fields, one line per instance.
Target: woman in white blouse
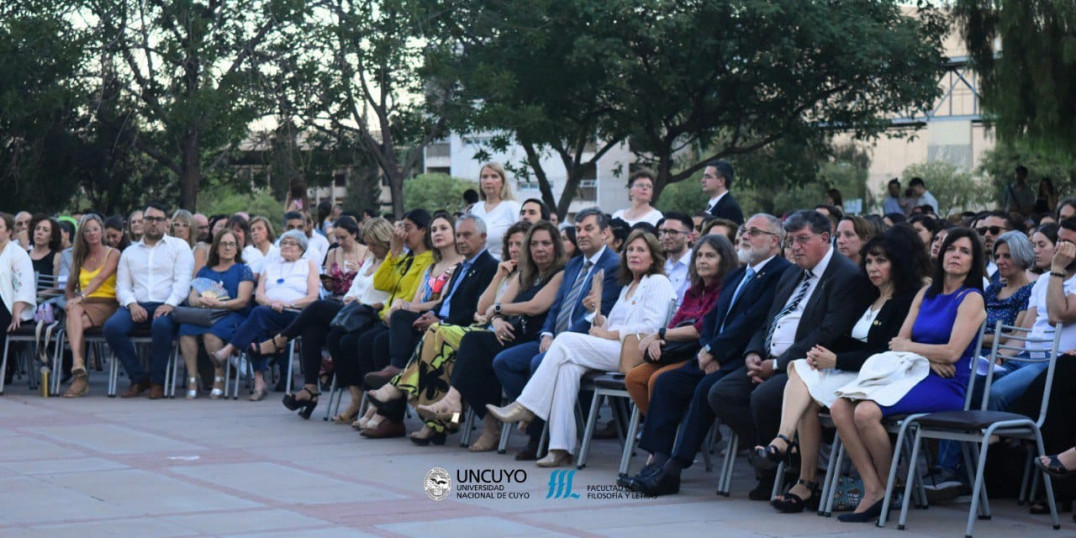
pixel 287 284
pixel 261 248
pixel 642 307
pixel 17 285
pixel 640 194
pixel 498 207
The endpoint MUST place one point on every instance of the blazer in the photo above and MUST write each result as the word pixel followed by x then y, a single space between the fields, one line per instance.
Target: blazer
pixel 727 208
pixel 742 318
pixel 852 353
pixel 464 301
pixel 610 292
pixel 839 298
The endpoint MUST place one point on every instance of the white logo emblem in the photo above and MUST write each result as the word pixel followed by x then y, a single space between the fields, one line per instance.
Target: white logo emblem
pixel 438 483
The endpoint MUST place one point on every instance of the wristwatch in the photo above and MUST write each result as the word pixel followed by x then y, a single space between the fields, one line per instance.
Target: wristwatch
pixel 496 308
pixel 661 333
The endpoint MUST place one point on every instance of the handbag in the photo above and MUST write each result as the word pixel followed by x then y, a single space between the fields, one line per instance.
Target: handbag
pixel 201 317
pixel 354 316
pixel 847 494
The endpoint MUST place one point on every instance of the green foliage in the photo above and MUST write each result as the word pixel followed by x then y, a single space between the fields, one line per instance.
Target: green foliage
pixel 1029 89
pixel 956 189
pixel 436 191
pixel 685 196
pixel 999 163
pixel 222 197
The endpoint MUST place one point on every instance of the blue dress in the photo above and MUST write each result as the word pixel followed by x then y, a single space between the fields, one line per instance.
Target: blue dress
pixel 230 279
pixel 934 325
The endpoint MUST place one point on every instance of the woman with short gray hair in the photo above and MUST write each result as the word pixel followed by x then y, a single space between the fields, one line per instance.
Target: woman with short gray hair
pixel 1007 300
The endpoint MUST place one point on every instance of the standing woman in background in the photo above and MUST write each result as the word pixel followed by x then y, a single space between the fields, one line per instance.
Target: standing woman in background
pixel 640 194
pixel 296 198
pixel 134 226
pixel 497 208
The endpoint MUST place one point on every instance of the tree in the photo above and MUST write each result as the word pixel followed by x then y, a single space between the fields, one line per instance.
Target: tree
pixel 437 191
pixel 40 57
pixel 189 67
pixel 1028 87
pixel 679 77
pixel 999 164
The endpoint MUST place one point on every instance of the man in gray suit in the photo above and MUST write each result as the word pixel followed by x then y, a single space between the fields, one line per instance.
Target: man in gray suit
pixel 817 300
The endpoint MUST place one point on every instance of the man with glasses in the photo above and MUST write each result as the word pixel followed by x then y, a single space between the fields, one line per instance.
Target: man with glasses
pixel 990 226
pixel 679 415
pixel 676 233
pixel 817 300
pixel 153 277
pixel 716 182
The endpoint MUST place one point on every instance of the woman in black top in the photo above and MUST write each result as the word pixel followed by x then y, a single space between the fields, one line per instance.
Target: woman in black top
pixel 888 262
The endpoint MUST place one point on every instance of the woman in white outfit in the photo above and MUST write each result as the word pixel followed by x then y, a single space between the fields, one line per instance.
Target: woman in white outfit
pixel 498 207
pixel 642 308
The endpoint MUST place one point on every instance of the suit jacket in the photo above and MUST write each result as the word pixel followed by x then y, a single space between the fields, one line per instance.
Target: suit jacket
pixel 610 292
pixel 745 315
pixel 839 298
pixel 851 353
pixel 464 301
pixel 727 208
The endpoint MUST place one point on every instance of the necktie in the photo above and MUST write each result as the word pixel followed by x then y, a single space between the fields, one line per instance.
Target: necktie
pixel 564 317
pixel 800 294
pixel 736 294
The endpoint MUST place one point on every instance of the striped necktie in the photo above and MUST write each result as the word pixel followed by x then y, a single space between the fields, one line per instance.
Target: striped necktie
pixel 564 317
pixel 790 307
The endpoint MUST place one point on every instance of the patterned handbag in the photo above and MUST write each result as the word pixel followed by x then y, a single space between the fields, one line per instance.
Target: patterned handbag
pixel 847 494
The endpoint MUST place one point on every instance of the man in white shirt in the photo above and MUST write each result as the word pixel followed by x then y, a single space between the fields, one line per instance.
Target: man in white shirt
pixel 153 277
pixel 923 196
pixel 676 233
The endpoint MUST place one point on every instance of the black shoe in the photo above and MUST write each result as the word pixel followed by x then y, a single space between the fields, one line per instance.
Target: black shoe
pixel 632 482
pixel 763 490
pixel 437 438
pixel 658 484
pixel 791 503
pixel 870 514
pixel 767 458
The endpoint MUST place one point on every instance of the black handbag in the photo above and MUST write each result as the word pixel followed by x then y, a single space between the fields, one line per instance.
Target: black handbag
pixel 354 316
pixel 201 317
pixel 674 352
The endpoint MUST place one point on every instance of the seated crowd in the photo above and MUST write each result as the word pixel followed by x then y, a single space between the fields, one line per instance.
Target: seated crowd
pixel 759 324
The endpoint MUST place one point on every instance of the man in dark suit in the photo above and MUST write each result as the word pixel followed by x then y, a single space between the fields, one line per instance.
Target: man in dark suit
pixel 514 365
pixel 459 298
pixel 744 301
pixel 817 300
pixel 716 182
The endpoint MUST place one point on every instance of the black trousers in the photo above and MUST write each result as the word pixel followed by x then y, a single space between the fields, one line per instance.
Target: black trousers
pixel 680 396
pixel 402 338
pixel 752 411
pixel 357 354
pixel 473 374
pixel 313 325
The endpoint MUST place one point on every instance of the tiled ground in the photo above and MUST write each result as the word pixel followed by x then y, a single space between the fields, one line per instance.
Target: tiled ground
pixel 104 467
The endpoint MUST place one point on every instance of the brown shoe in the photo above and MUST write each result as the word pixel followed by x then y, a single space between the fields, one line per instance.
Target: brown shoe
pixel 80 386
pixel 156 392
pixel 136 389
pixel 385 429
pixel 376 380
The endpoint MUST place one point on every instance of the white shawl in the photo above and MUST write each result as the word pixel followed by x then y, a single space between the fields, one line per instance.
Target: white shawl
pixel 886 377
pixel 17 281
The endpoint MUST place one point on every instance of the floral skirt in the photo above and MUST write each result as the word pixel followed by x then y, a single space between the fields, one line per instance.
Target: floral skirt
pixel 428 373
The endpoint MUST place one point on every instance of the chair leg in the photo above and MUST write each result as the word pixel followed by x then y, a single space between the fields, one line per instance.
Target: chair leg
pixel 629 442
pixel 908 484
pixel 588 430
pixel 1048 483
pixel 468 428
pixel 333 398
pixel 836 451
pixel 977 489
pixel 707 446
pixel 506 433
pixel 984 502
pixel 3 364
pixel 728 464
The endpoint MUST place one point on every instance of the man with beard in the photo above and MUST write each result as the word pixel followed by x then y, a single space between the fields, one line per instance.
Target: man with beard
pixel 744 301
pixel 676 232
pixel 153 277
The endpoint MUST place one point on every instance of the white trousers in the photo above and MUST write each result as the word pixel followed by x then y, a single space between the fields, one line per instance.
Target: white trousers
pixel 552 391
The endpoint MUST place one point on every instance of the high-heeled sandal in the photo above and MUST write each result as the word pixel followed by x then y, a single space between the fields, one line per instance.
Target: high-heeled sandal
pixel 306 407
pixel 345 418
pixel 218 388
pixel 440 411
pixel 1054 468
pixel 260 348
pixel 192 388
pixel 769 457
pixel 382 403
pixel 80 385
pixel 790 503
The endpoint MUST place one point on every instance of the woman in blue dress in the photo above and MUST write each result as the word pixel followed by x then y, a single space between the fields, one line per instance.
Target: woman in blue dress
pixel 941 325
pixel 225 266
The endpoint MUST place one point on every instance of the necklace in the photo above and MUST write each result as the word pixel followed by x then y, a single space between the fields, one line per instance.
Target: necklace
pixel 291 269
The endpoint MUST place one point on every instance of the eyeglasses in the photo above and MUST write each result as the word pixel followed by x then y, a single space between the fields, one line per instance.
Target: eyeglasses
pixel 228 244
pixel 670 233
pixel 754 232
pixel 993 230
pixel 153 219
pixel 800 239
pixel 289 243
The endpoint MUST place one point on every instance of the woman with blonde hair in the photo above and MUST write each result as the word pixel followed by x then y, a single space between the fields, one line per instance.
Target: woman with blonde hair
pixel 497 207
pixel 91 295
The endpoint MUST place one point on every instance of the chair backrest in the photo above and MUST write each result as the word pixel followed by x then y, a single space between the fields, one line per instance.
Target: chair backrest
pixel 47 285
pixel 974 361
pixel 1022 336
pixel 669 315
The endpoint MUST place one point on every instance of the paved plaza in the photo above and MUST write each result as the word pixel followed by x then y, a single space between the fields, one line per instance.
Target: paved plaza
pixel 106 467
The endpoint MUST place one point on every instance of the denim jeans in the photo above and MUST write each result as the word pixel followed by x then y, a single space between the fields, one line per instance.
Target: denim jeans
pixel 117 331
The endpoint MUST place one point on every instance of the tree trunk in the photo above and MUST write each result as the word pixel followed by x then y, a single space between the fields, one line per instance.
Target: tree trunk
pixel 396 180
pixel 191 171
